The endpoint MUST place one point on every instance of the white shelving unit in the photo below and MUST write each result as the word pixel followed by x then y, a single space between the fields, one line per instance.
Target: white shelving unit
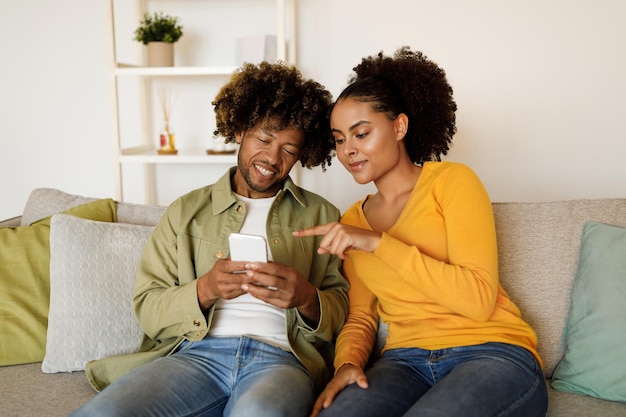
pixel 135 135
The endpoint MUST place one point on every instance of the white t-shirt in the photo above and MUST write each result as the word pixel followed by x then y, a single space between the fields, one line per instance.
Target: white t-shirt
pixel 246 315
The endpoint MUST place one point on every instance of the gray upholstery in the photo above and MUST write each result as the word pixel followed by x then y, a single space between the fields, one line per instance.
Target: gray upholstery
pixel 538 250
pixel 44 202
pixel 538 247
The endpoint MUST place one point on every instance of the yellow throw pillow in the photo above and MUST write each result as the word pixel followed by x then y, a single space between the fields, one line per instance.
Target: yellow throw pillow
pixel 25 283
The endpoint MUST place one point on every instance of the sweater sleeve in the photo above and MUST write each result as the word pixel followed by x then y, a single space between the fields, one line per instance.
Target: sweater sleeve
pixel 356 339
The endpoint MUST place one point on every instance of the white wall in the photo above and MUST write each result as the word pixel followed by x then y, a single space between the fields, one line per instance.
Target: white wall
pixel 540 87
pixel 55 119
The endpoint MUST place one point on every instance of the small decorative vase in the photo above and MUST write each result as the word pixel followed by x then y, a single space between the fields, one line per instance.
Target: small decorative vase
pixel 167 141
pixel 160 54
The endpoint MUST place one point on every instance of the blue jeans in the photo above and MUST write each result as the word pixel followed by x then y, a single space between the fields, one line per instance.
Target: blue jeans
pixel 211 377
pixel 492 379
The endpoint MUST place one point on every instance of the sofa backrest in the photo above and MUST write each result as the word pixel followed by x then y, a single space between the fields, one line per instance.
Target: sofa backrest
pixel 143 214
pixel 44 202
pixel 538 246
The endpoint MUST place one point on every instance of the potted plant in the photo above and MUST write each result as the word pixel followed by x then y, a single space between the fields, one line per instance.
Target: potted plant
pixel 159 32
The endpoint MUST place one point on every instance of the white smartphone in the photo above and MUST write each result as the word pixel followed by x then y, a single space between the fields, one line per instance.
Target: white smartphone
pixel 251 248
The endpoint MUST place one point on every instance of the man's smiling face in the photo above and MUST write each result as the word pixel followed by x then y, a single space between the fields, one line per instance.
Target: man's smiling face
pixel 265 159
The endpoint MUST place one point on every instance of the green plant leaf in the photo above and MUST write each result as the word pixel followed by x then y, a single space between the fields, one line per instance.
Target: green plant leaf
pixel 158 27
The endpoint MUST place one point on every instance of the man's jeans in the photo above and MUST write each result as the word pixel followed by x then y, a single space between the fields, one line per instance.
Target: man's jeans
pixel 492 379
pixel 211 377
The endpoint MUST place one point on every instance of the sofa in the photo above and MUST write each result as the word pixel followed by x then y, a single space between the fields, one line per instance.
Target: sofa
pixel 540 246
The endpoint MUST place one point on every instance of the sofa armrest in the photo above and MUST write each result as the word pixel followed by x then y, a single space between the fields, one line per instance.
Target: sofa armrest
pixel 12 222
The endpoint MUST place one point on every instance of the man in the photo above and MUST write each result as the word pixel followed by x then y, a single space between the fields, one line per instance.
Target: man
pixel 218 342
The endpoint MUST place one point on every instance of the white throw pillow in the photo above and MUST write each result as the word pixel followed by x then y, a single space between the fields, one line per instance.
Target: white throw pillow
pixel 92 273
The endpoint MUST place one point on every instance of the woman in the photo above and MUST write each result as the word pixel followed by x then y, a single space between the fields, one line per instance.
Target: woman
pixel 421 255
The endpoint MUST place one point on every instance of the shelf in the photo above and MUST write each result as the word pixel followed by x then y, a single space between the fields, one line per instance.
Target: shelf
pixel 192 156
pixel 123 69
pixel 135 89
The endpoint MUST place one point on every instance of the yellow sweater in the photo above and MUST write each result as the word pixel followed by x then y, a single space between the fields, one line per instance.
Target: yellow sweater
pixel 434 276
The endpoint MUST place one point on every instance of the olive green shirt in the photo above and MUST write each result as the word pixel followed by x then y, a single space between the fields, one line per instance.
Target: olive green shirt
pixel 186 243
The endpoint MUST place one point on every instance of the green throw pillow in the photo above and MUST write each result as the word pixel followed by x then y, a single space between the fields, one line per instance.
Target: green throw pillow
pixel 594 362
pixel 25 283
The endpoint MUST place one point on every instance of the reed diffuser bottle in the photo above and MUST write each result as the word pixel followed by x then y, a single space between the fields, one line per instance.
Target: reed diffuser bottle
pixel 167 137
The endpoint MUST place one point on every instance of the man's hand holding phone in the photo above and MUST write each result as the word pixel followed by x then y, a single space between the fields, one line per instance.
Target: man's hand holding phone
pixel 248 248
pixel 228 277
pixel 248 271
pixel 220 282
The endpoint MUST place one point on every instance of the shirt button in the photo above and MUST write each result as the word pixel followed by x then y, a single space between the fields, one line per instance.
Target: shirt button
pixel 219 254
pixel 196 323
pixel 277 241
pixel 239 208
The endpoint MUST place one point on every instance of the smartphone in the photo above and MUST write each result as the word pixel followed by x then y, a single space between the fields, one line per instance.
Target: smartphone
pixel 250 248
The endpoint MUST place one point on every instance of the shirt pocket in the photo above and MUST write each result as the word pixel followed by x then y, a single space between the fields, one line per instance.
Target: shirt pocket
pixel 200 254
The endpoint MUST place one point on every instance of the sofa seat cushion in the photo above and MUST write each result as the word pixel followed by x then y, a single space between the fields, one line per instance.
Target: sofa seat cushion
pixel 25 391
pixel 566 404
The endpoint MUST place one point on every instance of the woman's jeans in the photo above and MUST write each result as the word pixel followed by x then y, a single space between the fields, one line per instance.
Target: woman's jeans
pixel 492 379
pixel 211 377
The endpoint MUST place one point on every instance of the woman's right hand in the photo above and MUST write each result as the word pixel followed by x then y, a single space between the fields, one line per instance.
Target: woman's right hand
pixel 346 375
pixel 340 238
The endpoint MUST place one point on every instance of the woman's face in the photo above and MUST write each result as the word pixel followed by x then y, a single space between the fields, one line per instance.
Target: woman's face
pixel 368 144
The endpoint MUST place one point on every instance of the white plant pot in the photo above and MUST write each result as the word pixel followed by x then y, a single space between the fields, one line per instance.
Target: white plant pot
pixel 160 54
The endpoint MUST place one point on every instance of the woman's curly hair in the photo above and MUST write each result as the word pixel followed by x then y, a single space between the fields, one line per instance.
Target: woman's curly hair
pixel 409 83
pixel 277 96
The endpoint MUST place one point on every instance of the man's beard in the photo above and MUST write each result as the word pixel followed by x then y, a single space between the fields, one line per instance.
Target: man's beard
pixel 245 173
